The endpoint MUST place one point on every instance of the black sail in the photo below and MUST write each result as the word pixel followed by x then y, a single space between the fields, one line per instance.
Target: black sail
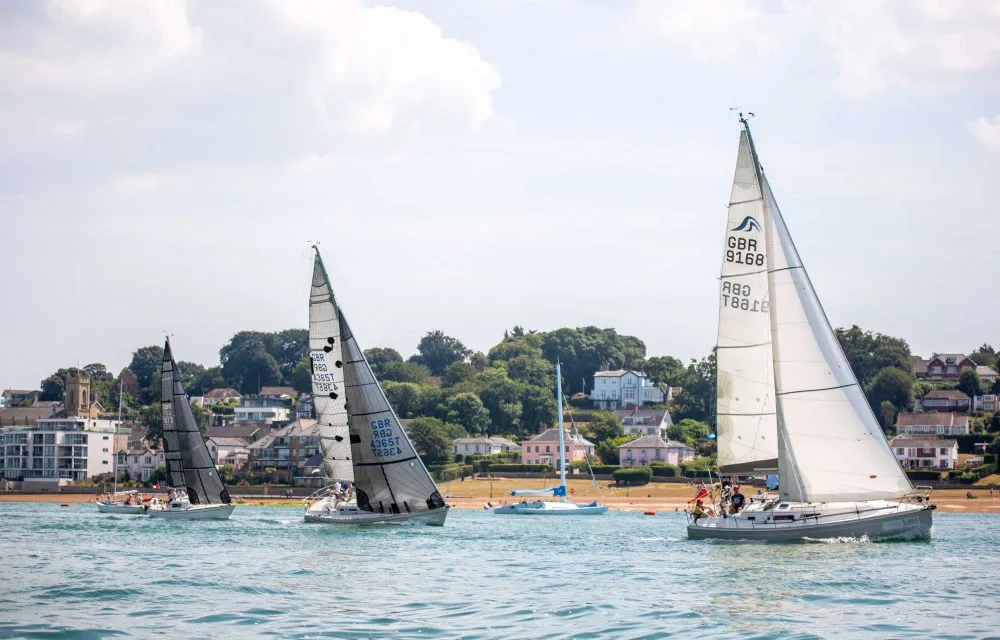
pixel 189 464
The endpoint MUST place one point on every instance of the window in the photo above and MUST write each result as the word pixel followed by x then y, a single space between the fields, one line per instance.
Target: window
pixel 944 451
pixel 901 451
pixel 547 450
pixel 105 437
pixel 105 449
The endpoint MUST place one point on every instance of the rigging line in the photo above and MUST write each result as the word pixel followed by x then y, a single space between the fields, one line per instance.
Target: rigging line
pixel 787 269
pixel 383 464
pixel 733 204
pixel 745 273
pixel 742 346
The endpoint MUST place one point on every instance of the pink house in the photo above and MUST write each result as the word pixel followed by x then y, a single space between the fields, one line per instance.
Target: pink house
pixel 641 451
pixel 544 448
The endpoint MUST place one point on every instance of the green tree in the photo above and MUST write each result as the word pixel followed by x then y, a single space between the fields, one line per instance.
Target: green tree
pixel 379 357
pixel 984 356
pixel 697 400
pixel 664 370
pixel 584 350
pixel 970 384
pixel 532 370
pixel 502 398
pixel 209 379
pixel 689 431
pixel 54 386
pixel 995 389
pixel 467 410
pixel 538 407
pixel 146 361
pixel 405 372
pixel 158 475
pixel 513 346
pixel 98 372
pixel 151 417
pixel 458 372
pixel 227 472
pixel 887 415
pixel 994 424
pixel 436 351
pixel 607 451
pixel 404 397
pixel 605 425
pixel 302 376
pixel 246 363
pixel 201 415
pixel 430 437
pixel 891 385
pixel 869 353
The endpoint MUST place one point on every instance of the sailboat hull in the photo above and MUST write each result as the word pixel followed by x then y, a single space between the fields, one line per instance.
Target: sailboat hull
pixel 546 508
pixel 195 512
pixel 875 520
pixel 431 518
pixel 121 509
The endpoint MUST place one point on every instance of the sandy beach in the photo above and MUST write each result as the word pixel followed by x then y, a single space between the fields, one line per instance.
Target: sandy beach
pixel 660 497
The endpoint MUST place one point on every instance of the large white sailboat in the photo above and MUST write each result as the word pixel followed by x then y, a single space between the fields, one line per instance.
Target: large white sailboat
pixel 361 438
pixel 546 507
pixel 200 492
pixel 787 397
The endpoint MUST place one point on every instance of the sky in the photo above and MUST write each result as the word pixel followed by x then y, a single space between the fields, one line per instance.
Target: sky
pixel 472 165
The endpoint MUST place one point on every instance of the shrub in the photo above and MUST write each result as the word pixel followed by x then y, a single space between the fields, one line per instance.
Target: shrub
pixel 702 473
pixel 604 469
pixel 448 472
pixel 633 476
pixel 666 470
pixel 520 468
pixel 930 476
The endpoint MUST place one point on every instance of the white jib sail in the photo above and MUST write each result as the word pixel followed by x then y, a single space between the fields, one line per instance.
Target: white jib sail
pixel 831 446
pixel 745 406
pixel 326 357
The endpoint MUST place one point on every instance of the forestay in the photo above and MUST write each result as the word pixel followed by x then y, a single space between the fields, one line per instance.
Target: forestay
pixel 326 357
pixel 832 448
pixel 189 464
pixel 745 406
pixel 389 476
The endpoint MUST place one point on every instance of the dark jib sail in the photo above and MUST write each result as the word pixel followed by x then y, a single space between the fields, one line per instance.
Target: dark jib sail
pixel 189 464
pixel 389 476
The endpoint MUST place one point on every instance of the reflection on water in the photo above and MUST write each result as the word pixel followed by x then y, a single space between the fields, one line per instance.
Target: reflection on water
pixel 623 575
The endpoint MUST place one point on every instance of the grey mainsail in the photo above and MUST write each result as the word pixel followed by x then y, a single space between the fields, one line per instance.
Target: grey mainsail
pixel 326 359
pixel 189 464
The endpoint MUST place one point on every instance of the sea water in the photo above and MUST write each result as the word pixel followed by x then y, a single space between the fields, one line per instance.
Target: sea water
pixel 72 572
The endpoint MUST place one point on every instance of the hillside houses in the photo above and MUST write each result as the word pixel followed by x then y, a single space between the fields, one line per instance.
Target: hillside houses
pixel 645 421
pixel 949 366
pixel 622 388
pixel 932 423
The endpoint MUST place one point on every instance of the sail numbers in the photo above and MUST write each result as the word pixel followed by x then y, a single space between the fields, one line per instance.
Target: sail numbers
pixel 740 296
pixel 323 381
pixel 743 251
pixel 384 443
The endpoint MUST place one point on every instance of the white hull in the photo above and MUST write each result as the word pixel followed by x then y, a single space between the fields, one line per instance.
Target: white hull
pixel 545 508
pixel 121 509
pixel 196 512
pixel 432 518
pixel 875 520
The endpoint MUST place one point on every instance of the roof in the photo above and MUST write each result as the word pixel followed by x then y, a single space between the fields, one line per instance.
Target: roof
pixel 142 452
pixel 24 415
pixel 932 418
pixel 618 373
pixel 224 393
pixel 229 442
pixel 954 358
pixel 949 394
pixel 919 365
pixel 660 415
pixel 552 435
pixel 655 442
pixel 18 392
pixel 484 440
pixel 922 442
pixel 246 433
pixel 985 371
pixel 277 391
pixel 300 427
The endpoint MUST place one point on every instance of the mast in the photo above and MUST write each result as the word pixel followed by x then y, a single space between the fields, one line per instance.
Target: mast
pixel 562 445
pixel 121 386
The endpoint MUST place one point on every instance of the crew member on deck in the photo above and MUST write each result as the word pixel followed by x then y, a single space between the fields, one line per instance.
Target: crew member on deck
pixel 738 500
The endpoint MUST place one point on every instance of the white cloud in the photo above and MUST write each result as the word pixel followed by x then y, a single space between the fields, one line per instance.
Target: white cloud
pixel 708 30
pixel 985 132
pixel 87 42
pixel 380 68
pixel 878 43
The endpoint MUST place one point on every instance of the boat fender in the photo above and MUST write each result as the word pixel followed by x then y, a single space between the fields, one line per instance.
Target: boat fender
pixel 65 504
pixel 649 513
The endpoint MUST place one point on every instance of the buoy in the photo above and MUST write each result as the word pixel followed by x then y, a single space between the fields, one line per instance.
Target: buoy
pixel 649 513
pixel 65 504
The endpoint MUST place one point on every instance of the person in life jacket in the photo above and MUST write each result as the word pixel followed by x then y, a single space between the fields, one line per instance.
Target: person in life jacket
pixel 701 511
pixel 737 500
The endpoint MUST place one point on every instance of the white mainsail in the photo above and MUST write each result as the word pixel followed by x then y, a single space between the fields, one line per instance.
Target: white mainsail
pixel 326 358
pixel 831 448
pixel 745 405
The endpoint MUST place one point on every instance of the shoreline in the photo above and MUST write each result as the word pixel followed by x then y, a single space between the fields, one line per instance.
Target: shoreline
pixel 473 494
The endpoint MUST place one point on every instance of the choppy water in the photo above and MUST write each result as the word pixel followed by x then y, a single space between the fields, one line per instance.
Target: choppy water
pixel 71 572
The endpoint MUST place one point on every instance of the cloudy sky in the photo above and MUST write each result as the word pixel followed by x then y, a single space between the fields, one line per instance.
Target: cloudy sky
pixel 475 164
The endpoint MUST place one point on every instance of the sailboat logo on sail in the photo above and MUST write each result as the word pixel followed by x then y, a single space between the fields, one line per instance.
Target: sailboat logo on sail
pixel 749 224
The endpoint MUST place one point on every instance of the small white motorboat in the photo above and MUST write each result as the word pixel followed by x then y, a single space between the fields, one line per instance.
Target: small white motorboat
pixel 182 509
pixel 122 503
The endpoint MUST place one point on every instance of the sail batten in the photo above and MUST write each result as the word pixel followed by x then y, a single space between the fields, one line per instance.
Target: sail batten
pixel 745 404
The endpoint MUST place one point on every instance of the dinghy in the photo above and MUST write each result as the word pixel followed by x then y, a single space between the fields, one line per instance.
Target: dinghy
pixel 361 438
pixel 545 507
pixel 190 467
pixel 122 503
pixel 787 397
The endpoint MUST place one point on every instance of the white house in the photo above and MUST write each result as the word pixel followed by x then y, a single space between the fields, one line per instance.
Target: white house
pixel 645 422
pixel 54 449
pixel 215 396
pixel 925 453
pixel 646 449
pixel 140 463
pixel 622 388
pixel 932 423
pixel 988 403
pixel 472 446
pixel 232 451
pixel 266 410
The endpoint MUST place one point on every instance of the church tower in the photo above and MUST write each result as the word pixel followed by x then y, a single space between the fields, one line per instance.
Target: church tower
pixel 76 401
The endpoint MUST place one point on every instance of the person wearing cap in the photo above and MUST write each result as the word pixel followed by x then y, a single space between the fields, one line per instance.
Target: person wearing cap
pixel 737 500
pixel 701 511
